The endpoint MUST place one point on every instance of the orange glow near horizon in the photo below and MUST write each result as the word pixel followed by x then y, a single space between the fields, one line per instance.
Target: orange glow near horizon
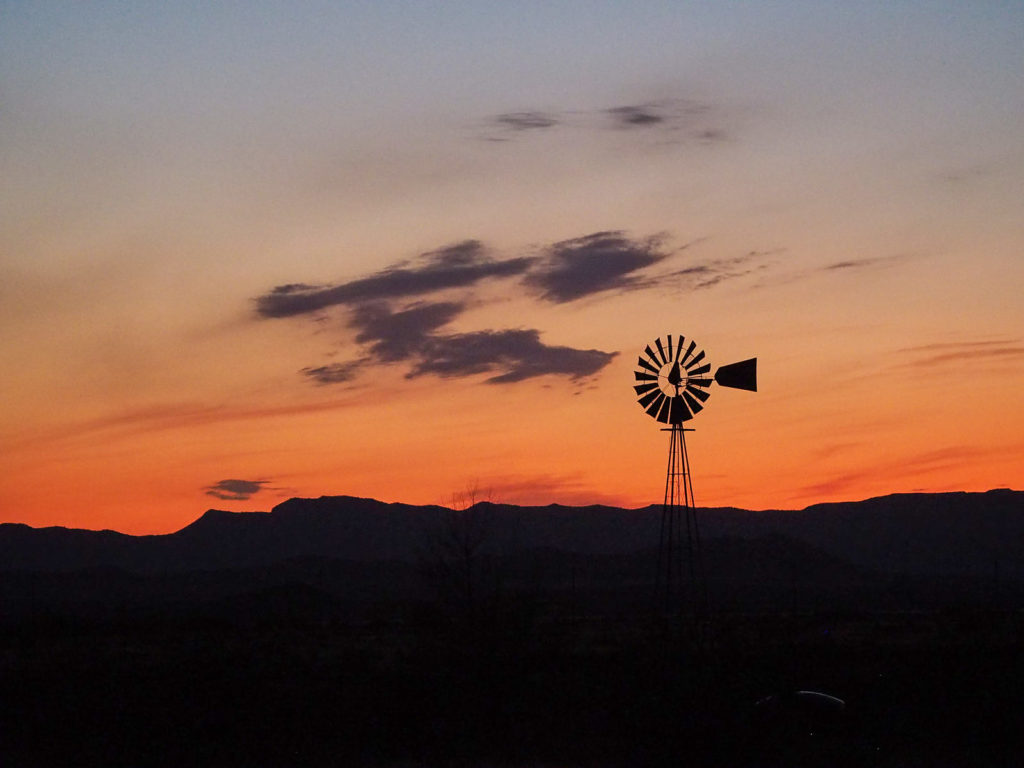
pixel 745 452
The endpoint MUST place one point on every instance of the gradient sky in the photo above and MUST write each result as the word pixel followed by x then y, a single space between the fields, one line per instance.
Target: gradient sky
pixel 251 251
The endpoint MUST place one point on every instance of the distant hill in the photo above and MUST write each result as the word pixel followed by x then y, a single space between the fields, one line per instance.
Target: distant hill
pixel 920 549
pixel 901 533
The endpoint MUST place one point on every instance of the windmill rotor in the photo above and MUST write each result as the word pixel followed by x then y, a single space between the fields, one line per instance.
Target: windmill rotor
pixel 672 383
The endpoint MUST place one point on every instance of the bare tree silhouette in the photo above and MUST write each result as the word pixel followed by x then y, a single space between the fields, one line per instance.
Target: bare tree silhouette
pixel 456 559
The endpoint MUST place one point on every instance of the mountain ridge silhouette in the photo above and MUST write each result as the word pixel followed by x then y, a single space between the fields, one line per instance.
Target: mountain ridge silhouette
pixel 956 532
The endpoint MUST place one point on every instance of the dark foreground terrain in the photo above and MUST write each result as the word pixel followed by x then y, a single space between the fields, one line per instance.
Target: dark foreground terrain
pixel 510 688
pixel 347 632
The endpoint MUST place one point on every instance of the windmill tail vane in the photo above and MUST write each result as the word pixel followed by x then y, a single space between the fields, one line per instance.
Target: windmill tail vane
pixel 741 375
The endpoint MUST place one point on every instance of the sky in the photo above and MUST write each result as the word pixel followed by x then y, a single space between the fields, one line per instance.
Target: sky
pixel 254 250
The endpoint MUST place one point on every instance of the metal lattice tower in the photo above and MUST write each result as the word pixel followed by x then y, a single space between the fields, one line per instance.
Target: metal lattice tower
pixel 681 584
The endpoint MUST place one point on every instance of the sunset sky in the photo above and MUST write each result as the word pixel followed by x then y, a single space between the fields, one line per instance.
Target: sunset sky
pixel 250 251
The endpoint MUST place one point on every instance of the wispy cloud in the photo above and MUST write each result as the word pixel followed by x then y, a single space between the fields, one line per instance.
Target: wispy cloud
pixel 335 373
pixel 175 416
pixel 635 116
pixel 235 490
pixel 890 473
pixel 685 119
pixel 526 121
pixel 674 114
pixel 864 263
pixel 947 353
pixel 850 267
pixel 700 275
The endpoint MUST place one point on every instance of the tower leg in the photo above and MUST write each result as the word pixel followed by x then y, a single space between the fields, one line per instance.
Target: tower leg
pixel 680 586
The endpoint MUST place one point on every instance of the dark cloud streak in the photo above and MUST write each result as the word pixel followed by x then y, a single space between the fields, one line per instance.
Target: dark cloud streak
pixel 416 334
pixel 937 355
pixel 400 335
pixel 335 373
pixel 456 266
pixel 235 490
pixel 686 119
pixel 410 335
pixel 711 273
pixel 635 117
pixel 602 261
pixel 526 121
pixel 874 261
pixel 519 353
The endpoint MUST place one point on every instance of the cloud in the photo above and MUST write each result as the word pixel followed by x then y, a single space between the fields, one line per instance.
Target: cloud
pixel 526 121
pixel 714 271
pixel 685 118
pixel 456 266
pixel 416 332
pixel 518 354
pixel 847 268
pixel 710 135
pixel 936 355
pixel 873 261
pixel 635 116
pixel 410 335
pixel 602 261
pixel 336 373
pixel 235 490
pixel 400 335
pixel 892 474
pixel 175 416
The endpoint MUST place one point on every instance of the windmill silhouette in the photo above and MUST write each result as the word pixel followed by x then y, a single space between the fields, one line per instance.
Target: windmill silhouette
pixel 672 386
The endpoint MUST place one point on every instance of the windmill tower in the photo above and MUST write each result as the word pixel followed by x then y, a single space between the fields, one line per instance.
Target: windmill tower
pixel 672 385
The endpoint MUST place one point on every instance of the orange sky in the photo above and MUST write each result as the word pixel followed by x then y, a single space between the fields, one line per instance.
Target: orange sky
pixel 473 194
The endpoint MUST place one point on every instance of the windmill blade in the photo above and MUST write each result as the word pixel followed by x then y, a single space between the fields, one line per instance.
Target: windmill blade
pixel 699 382
pixel 666 409
pixel 741 375
pixel 696 360
pixel 650 397
pixel 669 347
pixel 641 376
pixel 679 412
pixel 699 393
pixel 689 350
pixel 679 348
pixel 654 358
pixel 694 405
pixel 644 364
pixel 661 351
pixel 702 369
pixel 653 408
pixel 641 388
